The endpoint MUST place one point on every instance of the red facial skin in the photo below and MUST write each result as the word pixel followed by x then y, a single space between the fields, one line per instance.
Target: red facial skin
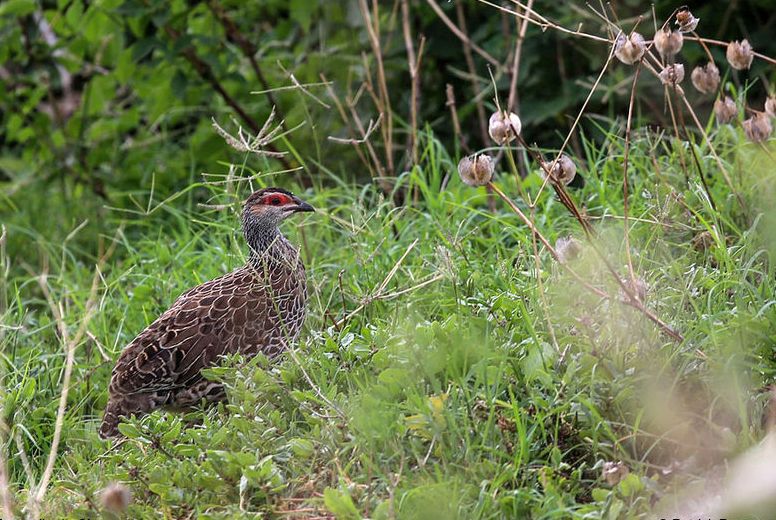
pixel 275 199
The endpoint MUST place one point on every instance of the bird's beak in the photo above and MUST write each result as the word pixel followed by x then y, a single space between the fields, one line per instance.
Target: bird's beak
pixel 301 206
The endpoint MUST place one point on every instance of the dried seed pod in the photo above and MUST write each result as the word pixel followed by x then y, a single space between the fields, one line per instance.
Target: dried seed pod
pixel 503 126
pixel 568 248
pixel 725 109
pixel 563 172
pixel 614 472
pixel 686 21
pixel 638 287
pixel 629 49
pixel 672 74
pixel 740 54
pixel 770 106
pixel 116 497
pixel 758 127
pixel 476 170
pixel 668 42
pixel 706 78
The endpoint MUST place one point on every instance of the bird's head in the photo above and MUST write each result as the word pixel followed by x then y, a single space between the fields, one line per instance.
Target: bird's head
pixel 266 208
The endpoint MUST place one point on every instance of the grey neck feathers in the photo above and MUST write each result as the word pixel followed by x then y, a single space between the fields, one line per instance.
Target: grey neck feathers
pixel 266 244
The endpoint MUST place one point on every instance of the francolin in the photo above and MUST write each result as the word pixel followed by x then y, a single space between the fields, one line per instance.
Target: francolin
pixel 259 307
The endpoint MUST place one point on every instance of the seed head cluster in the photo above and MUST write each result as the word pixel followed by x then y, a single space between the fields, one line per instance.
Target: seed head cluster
pixel 758 127
pixel 705 78
pixel 629 49
pixel 476 170
pixel 725 109
pixel 563 171
pixel 668 43
pixel 740 54
pixel 672 74
pixel 686 21
pixel 504 126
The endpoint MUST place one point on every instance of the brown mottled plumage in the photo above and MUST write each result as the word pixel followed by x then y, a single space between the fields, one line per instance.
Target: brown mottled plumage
pixel 259 307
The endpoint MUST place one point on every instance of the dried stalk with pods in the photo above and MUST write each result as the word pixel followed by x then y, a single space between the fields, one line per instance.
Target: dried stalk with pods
pixel 639 57
pixel 628 289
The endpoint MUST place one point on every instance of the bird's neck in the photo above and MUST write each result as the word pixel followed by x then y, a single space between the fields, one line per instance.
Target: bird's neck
pixel 266 244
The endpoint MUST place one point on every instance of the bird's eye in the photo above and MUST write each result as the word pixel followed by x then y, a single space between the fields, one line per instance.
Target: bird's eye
pixel 275 201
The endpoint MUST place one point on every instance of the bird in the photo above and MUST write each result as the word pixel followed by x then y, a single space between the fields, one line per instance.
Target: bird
pixel 257 308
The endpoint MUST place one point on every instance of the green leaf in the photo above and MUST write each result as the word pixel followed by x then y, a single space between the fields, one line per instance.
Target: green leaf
pixel 130 431
pixel 303 448
pixel 340 504
pixel 615 510
pixel 74 14
pixel 630 485
pixel 302 12
pixel 172 433
pixel 17 7
pixel 143 47
pixel 159 489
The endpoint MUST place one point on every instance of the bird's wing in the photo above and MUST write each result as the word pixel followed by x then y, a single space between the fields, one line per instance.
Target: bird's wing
pixel 203 324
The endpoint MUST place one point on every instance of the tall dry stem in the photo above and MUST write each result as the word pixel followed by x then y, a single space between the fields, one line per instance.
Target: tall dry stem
pixel 372 24
pixel 69 344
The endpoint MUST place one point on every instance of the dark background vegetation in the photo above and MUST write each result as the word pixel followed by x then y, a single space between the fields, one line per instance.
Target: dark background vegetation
pixel 107 99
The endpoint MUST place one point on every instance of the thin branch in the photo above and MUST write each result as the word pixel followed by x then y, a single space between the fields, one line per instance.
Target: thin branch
pixel 378 292
pixel 576 120
pixel 385 184
pixel 482 119
pixel 461 34
pixel 346 120
pixel 450 103
pixel 546 243
pixel 293 87
pixel 542 22
pixel 725 44
pixel 373 125
pixel 206 73
pixel 302 87
pixel 234 35
pixel 468 45
pixel 315 387
pixel 625 160
pixel 706 139
pixel 372 24
pixel 512 102
pixel 414 67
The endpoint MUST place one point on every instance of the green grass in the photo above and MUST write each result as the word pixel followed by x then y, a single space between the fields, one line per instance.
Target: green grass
pixel 493 391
